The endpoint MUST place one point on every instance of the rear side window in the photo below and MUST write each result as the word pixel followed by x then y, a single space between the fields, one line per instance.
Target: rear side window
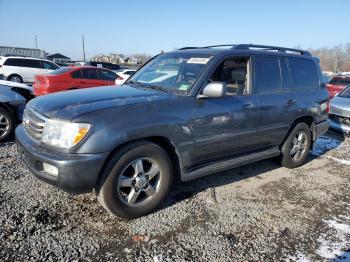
pixel 106 75
pixel 12 62
pixel 267 75
pixel 76 74
pixel 31 63
pixel 340 81
pixel 48 65
pixel 90 73
pixel 304 73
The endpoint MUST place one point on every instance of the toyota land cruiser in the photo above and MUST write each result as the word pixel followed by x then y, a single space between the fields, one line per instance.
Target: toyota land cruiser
pixel 187 113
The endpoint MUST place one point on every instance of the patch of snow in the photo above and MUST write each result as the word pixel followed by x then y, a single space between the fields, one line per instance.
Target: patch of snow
pixel 337 251
pixel 333 251
pixel 324 144
pixel 299 257
pixel 341 161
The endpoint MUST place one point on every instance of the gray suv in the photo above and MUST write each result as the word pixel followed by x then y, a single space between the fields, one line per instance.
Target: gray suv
pixel 186 113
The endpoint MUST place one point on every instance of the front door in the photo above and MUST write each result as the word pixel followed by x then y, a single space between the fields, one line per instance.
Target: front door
pixel 226 126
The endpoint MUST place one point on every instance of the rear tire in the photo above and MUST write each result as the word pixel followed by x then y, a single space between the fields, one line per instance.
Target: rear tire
pixel 7 124
pixel 135 180
pixel 296 147
pixel 15 78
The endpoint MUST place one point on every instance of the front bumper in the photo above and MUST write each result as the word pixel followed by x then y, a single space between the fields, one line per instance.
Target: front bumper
pixel 344 128
pixel 77 173
pixel 319 129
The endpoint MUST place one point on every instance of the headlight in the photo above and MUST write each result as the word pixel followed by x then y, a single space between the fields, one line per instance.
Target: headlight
pixel 63 134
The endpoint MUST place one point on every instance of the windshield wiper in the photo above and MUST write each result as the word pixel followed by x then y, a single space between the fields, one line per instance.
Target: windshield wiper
pixel 156 88
pixel 145 86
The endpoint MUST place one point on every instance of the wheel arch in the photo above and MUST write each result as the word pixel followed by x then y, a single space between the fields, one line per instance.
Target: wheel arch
pixel 307 119
pixel 15 74
pixel 161 141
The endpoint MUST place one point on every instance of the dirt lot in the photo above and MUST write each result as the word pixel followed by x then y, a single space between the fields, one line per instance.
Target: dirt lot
pixel 259 212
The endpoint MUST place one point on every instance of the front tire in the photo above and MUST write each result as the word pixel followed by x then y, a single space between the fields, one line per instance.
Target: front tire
pixel 7 124
pixel 135 180
pixel 296 147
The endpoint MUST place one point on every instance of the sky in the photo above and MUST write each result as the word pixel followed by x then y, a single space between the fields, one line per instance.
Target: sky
pixel 150 26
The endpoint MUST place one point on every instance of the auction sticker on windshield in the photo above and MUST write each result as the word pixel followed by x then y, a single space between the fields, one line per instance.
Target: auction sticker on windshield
pixel 198 60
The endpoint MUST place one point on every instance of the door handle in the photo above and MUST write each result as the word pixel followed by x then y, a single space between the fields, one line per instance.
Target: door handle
pixel 82 82
pixel 247 107
pixel 291 102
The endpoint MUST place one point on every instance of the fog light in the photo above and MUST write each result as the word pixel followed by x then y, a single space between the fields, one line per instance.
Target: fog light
pixel 50 169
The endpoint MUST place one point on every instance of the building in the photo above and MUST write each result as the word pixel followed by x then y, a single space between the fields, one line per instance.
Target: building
pixel 20 51
pixel 58 58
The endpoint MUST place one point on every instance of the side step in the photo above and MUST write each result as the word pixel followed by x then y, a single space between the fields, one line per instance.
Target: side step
pixel 230 163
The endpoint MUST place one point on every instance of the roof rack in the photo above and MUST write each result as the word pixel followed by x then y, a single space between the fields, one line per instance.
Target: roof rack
pixel 189 47
pixel 270 48
pixel 256 47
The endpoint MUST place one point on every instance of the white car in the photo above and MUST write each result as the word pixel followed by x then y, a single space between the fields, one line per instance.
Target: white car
pixel 23 69
pixel 123 75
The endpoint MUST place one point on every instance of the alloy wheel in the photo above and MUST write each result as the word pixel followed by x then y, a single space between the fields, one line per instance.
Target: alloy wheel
pixel 4 125
pixel 139 182
pixel 298 146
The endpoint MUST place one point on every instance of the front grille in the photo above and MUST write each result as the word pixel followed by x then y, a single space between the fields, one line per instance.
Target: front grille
pixel 33 123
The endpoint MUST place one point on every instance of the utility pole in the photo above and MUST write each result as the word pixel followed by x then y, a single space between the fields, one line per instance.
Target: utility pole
pixel 82 38
pixel 36 42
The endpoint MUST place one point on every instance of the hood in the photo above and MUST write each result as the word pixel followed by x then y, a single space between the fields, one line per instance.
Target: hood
pixel 70 104
pixel 341 103
pixel 14 84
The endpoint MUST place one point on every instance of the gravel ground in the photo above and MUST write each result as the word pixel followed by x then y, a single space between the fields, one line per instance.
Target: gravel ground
pixel 259 212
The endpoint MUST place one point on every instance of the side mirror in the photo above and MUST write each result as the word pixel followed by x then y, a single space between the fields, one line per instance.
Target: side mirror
pixel 214 90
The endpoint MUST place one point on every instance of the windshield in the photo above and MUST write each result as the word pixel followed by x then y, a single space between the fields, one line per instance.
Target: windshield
pixel 345 93
pixel 175 73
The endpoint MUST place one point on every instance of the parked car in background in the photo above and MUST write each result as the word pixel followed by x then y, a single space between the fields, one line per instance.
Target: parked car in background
pixel 339 115
pixel 68 78
pixel 13 97
pixel 224 107
pixel 23 69
pixel 106 65
pixel 123 75
pixel 337 84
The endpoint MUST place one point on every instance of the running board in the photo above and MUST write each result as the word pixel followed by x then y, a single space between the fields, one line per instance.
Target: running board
pixel 230 163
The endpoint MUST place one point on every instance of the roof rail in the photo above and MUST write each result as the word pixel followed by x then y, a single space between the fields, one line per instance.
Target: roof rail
pixel 255 47
pixel 270 48
pixel 189 47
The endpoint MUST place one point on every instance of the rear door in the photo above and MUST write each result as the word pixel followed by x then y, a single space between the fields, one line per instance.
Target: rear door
pixel 276 99
pixel 90 78
pixel 106 77
pixel 30 68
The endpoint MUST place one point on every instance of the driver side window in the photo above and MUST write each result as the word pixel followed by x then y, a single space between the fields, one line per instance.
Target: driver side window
pixel 235 73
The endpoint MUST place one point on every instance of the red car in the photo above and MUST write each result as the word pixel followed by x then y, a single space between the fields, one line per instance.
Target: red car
pixel 67 78
pixel 337 84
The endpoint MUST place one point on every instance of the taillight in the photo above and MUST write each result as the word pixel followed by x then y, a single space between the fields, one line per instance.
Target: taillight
pixel 119 78
pixel 327 108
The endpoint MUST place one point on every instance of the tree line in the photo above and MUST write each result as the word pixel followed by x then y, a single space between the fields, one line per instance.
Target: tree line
pixel 335 59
